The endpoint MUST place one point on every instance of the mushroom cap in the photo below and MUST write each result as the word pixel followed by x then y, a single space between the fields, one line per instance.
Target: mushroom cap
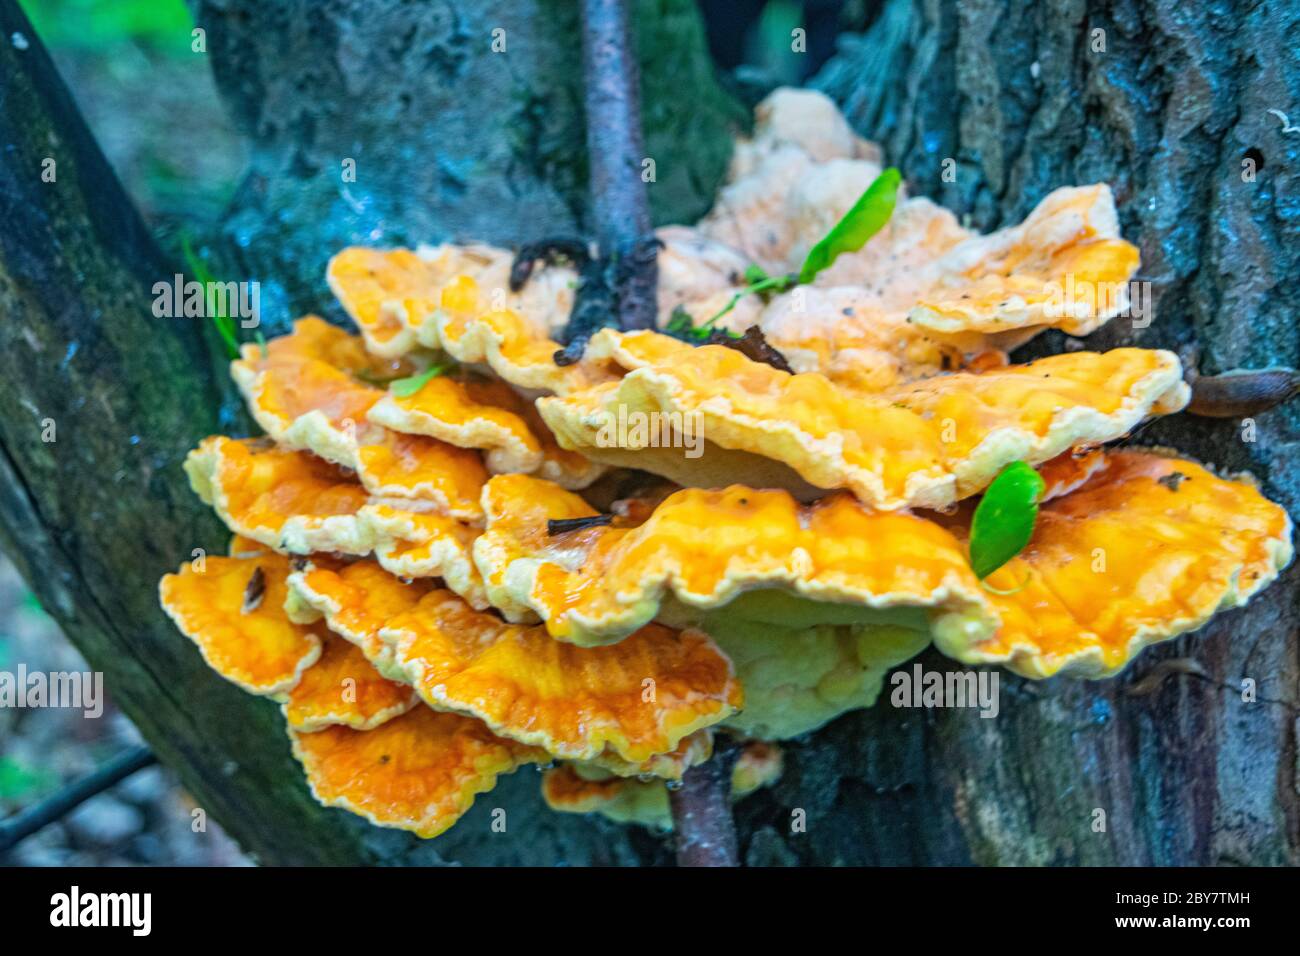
pixel 518 349
pixel 285 500
pixel 386 293
pixel 410 544
pixel 356 600
pixel 926 444
pixel 1147 548
pixel 486 414
pixel 392 295
pixel 233 611
pixel 342 687
pixel 467 414
pixel 1018 278
pixel 457 300
pixel 597 585
pixel 423 469
pixel 781 197
pixel 417 772
pixel 635 699
pixel 793 181
pixel 313 390
pixel 305 402
pixel 691 750
pixel 634 711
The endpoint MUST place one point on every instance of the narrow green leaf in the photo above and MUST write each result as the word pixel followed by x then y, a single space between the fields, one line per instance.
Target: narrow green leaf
pixel 224 323
pixel 1004 518
pixel 867 217
pixel 406 387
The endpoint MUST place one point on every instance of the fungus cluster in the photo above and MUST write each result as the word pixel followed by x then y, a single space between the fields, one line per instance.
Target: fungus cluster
pixel 453 556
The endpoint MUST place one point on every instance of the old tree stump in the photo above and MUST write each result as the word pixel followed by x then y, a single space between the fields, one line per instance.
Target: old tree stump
pixel 1165 103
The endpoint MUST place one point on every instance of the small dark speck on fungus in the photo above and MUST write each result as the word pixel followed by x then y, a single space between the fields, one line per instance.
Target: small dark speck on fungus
pixel 1173 480
pixel 254 592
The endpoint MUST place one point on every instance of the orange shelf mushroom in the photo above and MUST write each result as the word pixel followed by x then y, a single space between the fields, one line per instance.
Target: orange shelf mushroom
pixel 924 445
pixel 343 688
pixel 635 699
pixel 598 585
pixel 418 772
pixel 1146 549
pixel 232 608
pixel 925 293
pixel 606 567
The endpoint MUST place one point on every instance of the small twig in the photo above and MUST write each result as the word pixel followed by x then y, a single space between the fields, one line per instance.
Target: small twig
pixel 1242 393
pixel 619 201
pixel 26 822
pixel 549 251
pixel 703 827
pixel 564 525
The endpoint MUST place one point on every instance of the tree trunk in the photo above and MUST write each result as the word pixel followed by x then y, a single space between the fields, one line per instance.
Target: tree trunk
pixel 380 122
pixel 446 135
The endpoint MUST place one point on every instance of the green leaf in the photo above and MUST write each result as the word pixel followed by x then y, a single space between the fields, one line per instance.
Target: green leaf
pixel 203 275
pixel 867 217
pixel 1004 518
pixel 406 387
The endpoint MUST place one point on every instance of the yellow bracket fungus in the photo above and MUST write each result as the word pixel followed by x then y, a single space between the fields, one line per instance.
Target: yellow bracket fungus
pixel 927 444
pixel 636 699
pixel 1150 547
pixel 454 610
pixel 597 585
pixel 417 772
pixel 232 608
pixel 343 688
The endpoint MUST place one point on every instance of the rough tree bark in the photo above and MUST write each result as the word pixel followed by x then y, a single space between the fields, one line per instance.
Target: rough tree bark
pixel 1187 774
pixel 463 118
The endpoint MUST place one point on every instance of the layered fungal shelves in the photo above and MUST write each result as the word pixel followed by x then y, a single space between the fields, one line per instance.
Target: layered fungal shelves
pixel 453 556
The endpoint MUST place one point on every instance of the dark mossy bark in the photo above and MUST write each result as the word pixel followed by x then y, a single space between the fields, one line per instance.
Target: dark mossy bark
pixel 99 401
pixel 462 120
